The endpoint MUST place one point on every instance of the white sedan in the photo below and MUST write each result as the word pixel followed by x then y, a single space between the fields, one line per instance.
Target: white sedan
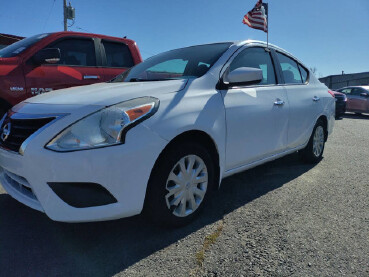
pixel 160 136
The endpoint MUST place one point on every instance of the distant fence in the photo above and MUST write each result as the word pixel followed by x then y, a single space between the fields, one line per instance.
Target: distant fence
pixel 339 81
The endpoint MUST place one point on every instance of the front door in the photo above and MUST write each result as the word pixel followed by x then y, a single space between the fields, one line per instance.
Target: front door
pixel 77 67
pixel 256 116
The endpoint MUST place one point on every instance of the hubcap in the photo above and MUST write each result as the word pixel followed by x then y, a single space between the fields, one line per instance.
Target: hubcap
pixel 318 141
pixel 186 185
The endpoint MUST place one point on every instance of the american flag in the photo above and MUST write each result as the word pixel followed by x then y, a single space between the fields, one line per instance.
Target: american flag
pixel 257 17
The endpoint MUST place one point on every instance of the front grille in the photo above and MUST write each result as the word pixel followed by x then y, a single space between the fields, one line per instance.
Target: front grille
pixel 19 130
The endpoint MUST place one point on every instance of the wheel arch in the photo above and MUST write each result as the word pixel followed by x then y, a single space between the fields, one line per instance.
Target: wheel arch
pixel 197 136
pixel 324 119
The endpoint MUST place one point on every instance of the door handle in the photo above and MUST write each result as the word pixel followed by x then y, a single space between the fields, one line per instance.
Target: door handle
pixel 316 98
pixel 279 102
pixel 91 77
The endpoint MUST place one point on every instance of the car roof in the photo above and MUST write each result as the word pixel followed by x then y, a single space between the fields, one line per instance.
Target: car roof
pixel 364 87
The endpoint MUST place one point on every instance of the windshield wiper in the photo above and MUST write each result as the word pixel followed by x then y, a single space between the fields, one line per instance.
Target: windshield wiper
pixel 151 80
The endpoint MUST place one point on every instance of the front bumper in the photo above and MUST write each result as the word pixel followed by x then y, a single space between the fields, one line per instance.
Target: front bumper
pixel 123 170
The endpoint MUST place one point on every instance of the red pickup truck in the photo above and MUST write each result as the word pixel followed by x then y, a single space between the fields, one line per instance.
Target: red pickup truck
pixel 50 61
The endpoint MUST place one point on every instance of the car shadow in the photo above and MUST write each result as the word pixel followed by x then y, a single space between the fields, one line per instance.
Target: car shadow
pixel 355 116
pixel 33 245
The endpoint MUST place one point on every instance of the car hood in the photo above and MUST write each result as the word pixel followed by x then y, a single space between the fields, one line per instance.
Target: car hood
pixel 105 94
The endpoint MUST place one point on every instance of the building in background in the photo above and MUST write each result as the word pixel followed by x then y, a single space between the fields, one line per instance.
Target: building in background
pixel 6 40
pixel 344 80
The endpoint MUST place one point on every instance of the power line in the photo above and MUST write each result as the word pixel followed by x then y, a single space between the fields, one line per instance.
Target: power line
pixel 48 16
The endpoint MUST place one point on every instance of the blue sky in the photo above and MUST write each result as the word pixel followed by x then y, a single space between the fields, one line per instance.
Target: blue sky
pixel 331 35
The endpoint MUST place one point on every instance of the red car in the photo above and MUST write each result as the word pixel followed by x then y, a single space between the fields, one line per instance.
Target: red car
pixel 50 61
pixel 357 98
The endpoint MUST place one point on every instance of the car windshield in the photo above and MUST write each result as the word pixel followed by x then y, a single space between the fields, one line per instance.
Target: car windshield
pixel 19 46
pixel 189 62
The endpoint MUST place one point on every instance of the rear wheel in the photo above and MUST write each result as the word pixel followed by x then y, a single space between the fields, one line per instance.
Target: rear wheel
pixel 179 184
pixel 313 151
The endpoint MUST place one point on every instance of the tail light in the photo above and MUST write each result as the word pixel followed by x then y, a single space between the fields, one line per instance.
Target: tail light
pixel 331 93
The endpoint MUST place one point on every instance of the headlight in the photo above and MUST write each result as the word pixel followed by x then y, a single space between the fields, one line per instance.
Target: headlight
pixel 105 127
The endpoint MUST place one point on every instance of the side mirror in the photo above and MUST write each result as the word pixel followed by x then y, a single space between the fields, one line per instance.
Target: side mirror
pixel 243 76
pixel 365 94
pixel 47 55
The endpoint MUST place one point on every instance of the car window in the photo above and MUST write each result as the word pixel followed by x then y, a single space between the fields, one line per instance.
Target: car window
pixel 256 58
pixel 357 91
pixel 188 62
pixel 76 52
pixel 290 70
pixel 168 69
pixel 345 90
pixel 304 73
pixel 117 54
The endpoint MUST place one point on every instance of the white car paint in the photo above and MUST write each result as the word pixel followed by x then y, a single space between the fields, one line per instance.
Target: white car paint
pixel 245 126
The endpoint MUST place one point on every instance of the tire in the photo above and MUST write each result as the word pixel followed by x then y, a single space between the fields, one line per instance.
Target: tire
pixel 313 151
pixel 163 204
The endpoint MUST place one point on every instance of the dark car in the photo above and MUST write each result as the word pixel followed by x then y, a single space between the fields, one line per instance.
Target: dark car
pixel 357 98
pixel 341 101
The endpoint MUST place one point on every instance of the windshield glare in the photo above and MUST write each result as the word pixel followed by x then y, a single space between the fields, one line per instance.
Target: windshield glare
pixel 18 47
pixel 189 62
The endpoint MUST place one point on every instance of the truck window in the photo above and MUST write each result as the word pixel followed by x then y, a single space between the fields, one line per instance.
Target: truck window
pixel 117 54
pixel 79 52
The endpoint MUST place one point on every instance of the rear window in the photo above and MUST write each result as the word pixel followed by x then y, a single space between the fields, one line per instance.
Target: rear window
pixel 117 54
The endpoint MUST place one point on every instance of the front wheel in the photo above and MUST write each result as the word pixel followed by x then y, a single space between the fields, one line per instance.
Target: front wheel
pixel 179 184
pixel 313 151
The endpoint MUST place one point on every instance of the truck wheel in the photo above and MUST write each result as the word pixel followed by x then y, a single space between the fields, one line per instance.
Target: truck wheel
pixel 313 151
pixel 179 185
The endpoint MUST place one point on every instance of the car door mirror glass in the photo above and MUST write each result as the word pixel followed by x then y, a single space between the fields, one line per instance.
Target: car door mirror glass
pixel 47 55
pixel 243 75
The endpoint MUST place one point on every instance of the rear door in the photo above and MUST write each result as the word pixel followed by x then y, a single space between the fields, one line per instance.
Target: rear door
pixel 256 115
pixel 303 98
pixel 116 58
pixel 78 66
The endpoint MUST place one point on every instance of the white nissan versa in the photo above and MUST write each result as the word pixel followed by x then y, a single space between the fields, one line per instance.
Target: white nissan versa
pixel 160 136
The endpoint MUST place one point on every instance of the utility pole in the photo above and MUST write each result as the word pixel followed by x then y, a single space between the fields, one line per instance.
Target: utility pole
pixel 68 13
pixel 65 15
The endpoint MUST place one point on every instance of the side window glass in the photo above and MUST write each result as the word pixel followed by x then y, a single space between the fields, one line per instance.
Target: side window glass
pixel 304 73
pixel 290 70
pixel 346 91
pixel 117 54
pixel 257 58
pixel 356 91
pixel 76 52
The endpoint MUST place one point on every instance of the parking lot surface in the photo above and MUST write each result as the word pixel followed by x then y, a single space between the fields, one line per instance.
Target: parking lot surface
pixel 284 218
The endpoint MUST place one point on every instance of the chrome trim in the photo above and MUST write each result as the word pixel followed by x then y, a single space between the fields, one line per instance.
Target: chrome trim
pixel 91 77
pixel 24 145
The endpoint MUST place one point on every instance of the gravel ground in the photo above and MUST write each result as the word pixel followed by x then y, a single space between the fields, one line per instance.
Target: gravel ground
pixel 284 218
